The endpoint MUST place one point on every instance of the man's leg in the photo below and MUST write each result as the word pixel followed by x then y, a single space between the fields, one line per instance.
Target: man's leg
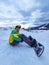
pixel 31 43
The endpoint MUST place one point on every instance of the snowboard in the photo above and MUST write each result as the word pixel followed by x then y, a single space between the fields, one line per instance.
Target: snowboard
pixel 39 51
pixel 38 47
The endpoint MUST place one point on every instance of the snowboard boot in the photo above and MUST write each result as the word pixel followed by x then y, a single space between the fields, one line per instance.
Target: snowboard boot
pixel 33 42
pixel 30 37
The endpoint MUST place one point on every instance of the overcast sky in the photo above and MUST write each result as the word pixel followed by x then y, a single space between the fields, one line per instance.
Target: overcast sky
pixel 24 11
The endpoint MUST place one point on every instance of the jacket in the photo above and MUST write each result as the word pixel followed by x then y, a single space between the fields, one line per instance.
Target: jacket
pixel 14 36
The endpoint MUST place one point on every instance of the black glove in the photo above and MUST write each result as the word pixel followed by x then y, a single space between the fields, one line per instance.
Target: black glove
pixel 21 40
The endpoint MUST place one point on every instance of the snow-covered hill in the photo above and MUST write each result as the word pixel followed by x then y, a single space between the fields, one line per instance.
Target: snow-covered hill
pixel 23 54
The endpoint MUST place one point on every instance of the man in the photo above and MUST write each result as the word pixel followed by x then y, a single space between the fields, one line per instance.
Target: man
pixel 16 37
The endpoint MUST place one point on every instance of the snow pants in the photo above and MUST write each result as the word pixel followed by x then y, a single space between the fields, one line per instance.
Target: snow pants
pixel 31 42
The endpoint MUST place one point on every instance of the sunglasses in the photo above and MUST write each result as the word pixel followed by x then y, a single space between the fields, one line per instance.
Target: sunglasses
pixel 19 27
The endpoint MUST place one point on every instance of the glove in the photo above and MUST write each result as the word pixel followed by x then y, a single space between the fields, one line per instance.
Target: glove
pixel 21 40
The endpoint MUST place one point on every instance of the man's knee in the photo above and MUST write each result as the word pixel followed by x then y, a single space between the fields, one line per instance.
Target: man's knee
pixel 22 35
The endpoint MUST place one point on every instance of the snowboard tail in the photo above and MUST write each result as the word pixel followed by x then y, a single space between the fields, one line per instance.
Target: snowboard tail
pixel 40 50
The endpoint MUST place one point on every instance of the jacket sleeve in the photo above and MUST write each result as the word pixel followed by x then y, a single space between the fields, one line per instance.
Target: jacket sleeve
pixel 15 34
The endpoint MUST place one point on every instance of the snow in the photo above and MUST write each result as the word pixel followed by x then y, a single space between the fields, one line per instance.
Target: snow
pixel 23 54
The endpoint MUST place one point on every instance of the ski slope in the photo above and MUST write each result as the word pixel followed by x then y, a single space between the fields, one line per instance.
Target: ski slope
pixel 23 54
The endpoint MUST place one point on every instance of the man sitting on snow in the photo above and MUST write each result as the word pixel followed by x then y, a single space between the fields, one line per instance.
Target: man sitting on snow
pixel 16 37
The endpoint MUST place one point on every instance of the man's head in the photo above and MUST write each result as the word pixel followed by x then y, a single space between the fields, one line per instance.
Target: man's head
pixel 18 27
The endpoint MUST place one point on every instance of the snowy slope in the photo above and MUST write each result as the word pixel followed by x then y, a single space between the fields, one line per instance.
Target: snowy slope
pixel 23 54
